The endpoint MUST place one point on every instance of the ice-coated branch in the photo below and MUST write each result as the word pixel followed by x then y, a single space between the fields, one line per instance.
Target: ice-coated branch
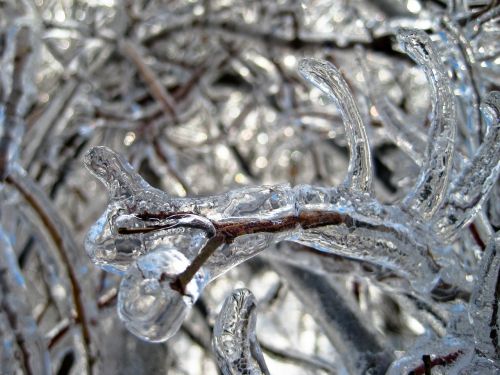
pixel 471 341
pixel 329 80
pixel 170 248
pixel 235 342
pixel 485 302
pixel 472 187
pixel 248 220
pixel 399 128
pixel 65 244
pixel 354 340
pixel 33 355
pixel 20 50
pixel 143 225
pixel 430 190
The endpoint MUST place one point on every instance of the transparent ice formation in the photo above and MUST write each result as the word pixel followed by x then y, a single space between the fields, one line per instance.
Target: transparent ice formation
pixel 235 343
pixel 22 339
pixel 432 183
pixel 471 343
pixel 147 303
pixel 16 90
pixel 169 248
pixel 382 272
pixel 247 221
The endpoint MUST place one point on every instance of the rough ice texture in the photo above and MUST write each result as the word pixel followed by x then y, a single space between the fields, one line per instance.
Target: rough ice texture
pixel 22 340
pixel 430 191
pixel 485 303
pixel 471 188
pixel 328 79
pixel 16 93
pixel 169 248
pixel 235 343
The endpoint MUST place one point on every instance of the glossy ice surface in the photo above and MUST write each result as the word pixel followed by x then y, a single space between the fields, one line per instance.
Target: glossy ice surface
pixel 360 209
pixel 235 344
pixel 154 237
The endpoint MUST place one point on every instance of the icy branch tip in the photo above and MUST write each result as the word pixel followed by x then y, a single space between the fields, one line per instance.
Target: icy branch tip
pixel 491 107
pixel 415 43
pixel 113 171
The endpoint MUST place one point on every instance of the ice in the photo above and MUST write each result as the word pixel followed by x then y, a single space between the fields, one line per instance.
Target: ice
pixel 430 191
pixel 25 343
pixel 485 302
pixel 148 303
pixel 235 343
pixel 472 187
pixel 335 221
pixel 207 236
pixel 328 79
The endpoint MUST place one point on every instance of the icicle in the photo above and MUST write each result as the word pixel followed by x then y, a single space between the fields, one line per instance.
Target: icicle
pixel 472 187
pixel 234 342
pixel 328 79
pixel 430 190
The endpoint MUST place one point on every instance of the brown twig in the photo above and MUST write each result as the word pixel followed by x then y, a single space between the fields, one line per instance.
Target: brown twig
pixel 158 91
pixel 25 187
pixel 14 323
pixel 428 363
pixel 12 119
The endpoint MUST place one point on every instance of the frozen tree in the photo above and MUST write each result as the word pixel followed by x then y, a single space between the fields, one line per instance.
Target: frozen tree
pixel 289 187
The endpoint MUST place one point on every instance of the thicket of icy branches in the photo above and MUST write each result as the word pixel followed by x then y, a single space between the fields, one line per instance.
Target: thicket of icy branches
pixel 286 187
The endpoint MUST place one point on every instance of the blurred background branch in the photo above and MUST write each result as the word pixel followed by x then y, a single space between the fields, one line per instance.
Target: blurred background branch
pixel 203 96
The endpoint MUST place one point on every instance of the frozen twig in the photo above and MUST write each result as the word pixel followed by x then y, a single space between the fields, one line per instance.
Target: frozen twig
pixel 14 305
pixel 64 242
pixel 158 91
pixel 235 343
pixel 16 104
pixel 472 187
pixel 329 80
pixel 430 191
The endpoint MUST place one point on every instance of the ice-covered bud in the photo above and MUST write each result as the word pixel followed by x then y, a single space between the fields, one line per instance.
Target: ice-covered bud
pixel 148 301
pixel 114 172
